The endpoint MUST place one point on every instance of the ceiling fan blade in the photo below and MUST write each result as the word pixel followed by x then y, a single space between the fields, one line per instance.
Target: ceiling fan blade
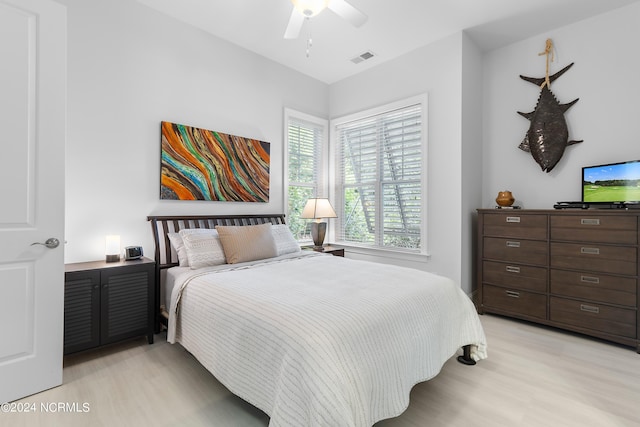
pixel 348 12
pixel 294 26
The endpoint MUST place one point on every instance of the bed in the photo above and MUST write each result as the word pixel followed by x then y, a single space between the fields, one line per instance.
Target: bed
pixel 308 338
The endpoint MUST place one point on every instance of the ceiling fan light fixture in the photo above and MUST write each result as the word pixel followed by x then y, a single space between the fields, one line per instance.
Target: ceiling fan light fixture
pixel 310 8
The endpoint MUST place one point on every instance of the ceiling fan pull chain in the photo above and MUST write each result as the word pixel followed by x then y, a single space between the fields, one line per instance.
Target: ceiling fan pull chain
pixel 309 40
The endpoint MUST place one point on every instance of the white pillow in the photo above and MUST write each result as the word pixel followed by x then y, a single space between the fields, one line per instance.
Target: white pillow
pixel 203 248
pixel 178 244
pixel 247 242
pixel 285 243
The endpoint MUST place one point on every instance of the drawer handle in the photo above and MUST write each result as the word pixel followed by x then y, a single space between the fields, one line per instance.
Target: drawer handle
pixel 590 221
pixel 511 244
pixel 512 269
pixel 590 251
pixel 589 308
pixel 590 279
pixel 513 219
pixel 512 294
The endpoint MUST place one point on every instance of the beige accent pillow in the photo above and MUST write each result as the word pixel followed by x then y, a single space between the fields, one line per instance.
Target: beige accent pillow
pixel 246 242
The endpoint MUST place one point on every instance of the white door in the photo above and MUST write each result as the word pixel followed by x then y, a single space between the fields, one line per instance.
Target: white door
pixel 32 139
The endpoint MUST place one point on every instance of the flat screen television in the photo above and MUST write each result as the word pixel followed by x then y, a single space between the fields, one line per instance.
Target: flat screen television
pixel 613 183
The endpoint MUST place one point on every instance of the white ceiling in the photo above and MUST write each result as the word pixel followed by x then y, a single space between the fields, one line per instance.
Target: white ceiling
pixel 393 28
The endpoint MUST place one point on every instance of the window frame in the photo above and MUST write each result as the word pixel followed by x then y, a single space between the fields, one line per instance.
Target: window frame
pixel 336 184
pixel 321 188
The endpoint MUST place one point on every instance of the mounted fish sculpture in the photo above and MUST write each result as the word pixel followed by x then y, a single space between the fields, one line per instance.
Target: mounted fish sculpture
pixel 548 135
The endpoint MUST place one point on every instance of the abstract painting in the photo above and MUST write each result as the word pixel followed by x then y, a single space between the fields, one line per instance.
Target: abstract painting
pixel 199 164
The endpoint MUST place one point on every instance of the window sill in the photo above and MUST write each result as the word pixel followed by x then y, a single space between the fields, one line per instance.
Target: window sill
pixel 385 253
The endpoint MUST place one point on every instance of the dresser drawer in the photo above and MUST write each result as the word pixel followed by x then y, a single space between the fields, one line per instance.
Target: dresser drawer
pixel 595 257
pixel 515 276
pixel 602 318
pixel 516 226
pixel 514 301
pixel 516 250
pixel 594 287
pixel 594 228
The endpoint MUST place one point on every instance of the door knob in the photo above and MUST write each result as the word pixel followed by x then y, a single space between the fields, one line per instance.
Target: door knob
pixel 51 243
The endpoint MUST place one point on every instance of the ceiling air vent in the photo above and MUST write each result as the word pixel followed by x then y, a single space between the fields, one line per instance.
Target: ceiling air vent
pixel 362 57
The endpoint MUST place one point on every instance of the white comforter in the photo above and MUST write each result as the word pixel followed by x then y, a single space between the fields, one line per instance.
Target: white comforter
pixel 323 340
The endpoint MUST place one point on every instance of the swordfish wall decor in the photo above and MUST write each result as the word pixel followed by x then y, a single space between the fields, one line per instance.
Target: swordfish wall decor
pixel 548 134
pixel 199 164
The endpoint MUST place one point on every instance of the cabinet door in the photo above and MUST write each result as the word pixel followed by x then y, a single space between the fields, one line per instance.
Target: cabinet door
pixel 126 302
pixel 81 310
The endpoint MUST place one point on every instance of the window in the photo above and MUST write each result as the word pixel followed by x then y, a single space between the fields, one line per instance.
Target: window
pixel 380 158
pixel 306 146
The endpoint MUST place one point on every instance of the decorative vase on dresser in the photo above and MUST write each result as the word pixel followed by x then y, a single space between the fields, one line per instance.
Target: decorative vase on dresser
pixel 575 270
pixel 505 199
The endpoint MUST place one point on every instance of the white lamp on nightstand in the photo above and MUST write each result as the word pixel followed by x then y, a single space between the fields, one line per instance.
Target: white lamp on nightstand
pixel 112 248
pixel 318 208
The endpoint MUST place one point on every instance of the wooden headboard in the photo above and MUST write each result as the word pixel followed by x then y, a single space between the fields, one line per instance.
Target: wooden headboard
pixel 161 226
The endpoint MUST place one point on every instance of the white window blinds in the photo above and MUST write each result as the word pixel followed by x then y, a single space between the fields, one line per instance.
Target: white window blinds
pixel 379 171
pixel 306 139
pixel 305 148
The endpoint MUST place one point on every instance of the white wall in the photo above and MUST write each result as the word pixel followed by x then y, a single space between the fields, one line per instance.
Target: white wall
pixel 604 77
pixel 471 157
pixel 130 67
pixel 437 70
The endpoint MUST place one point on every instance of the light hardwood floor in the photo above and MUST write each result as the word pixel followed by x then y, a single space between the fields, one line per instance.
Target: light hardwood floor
pixel 534 376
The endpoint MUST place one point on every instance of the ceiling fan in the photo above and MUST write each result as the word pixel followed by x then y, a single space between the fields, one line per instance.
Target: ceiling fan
pixel 304 9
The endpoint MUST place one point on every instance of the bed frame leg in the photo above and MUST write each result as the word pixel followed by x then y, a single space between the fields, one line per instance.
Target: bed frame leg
pixel 466 356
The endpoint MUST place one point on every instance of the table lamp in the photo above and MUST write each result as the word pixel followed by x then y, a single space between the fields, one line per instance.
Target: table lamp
pixel 112 248
pixel 318 208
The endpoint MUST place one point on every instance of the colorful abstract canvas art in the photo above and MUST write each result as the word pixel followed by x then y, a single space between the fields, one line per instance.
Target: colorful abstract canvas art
pixel 199 164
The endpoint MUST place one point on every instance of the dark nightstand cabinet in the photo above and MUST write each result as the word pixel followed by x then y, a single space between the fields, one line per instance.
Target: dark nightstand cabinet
pixel 328 249
pixel 108 302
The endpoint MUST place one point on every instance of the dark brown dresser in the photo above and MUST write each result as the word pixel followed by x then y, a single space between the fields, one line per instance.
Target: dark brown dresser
pixel 572 269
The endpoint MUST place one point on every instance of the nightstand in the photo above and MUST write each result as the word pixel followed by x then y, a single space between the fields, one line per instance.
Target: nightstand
pixel 108 302
pixel 328 249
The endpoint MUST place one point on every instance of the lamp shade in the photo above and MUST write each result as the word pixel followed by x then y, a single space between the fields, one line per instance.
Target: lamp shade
pixel 318 208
